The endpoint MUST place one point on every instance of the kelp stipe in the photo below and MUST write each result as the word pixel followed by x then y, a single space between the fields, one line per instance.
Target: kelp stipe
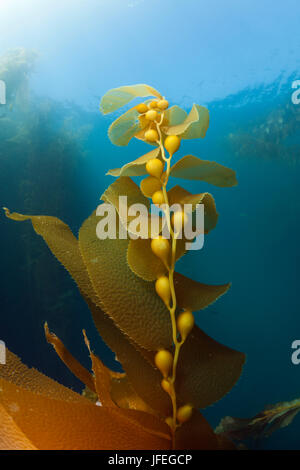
pixel 141 306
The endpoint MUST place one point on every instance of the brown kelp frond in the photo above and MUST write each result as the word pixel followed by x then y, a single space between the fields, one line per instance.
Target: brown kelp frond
pixel 124 395
pixel 197 434
pixel 118 97
pixel 120 291
pixel 193 168
pixel 193 295
pixel 61 425
pixel 130 123
pixel 207 370
pixel 124 194
pixel 194 126
pixel 16 372
pixel 136 362
pixel 272 418
pixel 190 294
pixel 73 364
pixel 123 129
pixel 148 266
pixel 102 378
pixel 11 437
pixel 136 167
pixel 124 186
pixel 144 263
pixel 175 115
pixel 179 195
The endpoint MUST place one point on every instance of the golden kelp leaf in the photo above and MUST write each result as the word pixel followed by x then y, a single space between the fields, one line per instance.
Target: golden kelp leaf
pixel 131 302
pixel 143 261
pixel 150 185
pixel 272 418
pixel 30 379
pixel 196 434
pixel 147 224
pixel 11 438
pixel 102 378
pixel 194 126
pixel 124 186
pixel 193 168
pixel 118 97
pixel 75 367
pixel 175 115
pixel 194 295
pixel 137 167
pixel 178 195
pixel 142 375
pixel 123 394
pixel 57 425
pixel 207 370
pixel 149 423
pixel 124 128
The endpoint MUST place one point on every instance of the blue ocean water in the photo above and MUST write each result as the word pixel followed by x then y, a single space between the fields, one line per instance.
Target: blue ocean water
pixel 239 59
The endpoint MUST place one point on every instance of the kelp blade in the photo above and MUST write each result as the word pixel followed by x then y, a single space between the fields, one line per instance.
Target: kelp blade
pixel 125 195
pixel 193 168
pixel 194 126
pixel 130 301
pixel 31 379
pixel 179 195
pixel 73 364
pixel 124 128
pixel 207 370
pixel 118 97
pixel 175 115
pixel 11 437
pixel 102 378
pixel 58 425
pixel 196 434
pixel 136 167
pixel 143 262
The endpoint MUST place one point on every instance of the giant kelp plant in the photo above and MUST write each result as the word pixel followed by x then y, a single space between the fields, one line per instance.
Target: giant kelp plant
pixel 142 308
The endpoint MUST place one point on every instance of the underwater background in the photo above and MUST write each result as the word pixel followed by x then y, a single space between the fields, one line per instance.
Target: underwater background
pixel 239 59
